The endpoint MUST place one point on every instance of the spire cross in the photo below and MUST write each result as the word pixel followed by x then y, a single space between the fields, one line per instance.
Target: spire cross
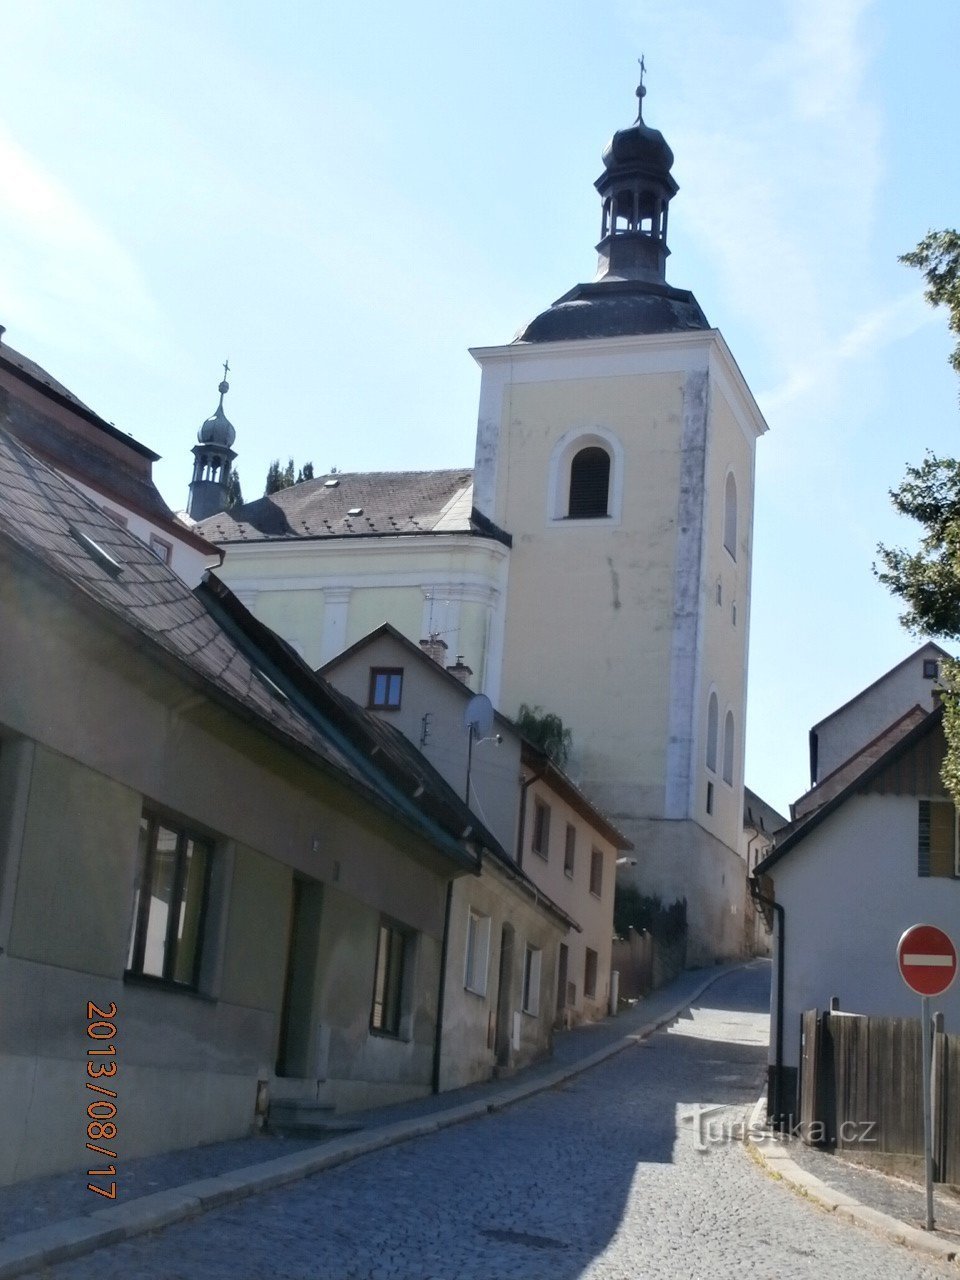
pixel 226 363
pixel 641 90
pixel 643 67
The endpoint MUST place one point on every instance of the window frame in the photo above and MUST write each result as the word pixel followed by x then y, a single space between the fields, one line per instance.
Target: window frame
pixel 393 988
pixel 590 977
pixel 569 850
pixel 731 514
pixel 925 841
pixel 476 960
pixel 532 974
pixel 151 822
pixel 558 478
pixel 729 747
pixel 161 548
pixel 540 829
pixel 389 673
pixel 593 480
pixel 596 872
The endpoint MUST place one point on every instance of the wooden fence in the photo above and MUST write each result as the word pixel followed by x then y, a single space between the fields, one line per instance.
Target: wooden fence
pixel 860 1088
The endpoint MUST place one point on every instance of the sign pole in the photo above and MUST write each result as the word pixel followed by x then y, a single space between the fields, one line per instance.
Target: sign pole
pixel 926 1029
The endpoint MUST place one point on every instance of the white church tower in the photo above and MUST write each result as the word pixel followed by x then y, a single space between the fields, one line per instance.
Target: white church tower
pixel 616 444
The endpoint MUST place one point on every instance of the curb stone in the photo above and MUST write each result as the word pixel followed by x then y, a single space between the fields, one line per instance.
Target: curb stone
pixel 32 1250
pixel 776 1162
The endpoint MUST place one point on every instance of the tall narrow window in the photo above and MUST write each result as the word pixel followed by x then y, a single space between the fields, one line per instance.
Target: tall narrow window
pixel 540 841
pixel 596 872
pixel 589 483
pixel 170 903
pixel 937 839
pixel 728 748
pixel 730 516
pixel 532 958
pixel 590 974
pixel 388 980
pixel 569 850
pixel 713 727
pixel 478 951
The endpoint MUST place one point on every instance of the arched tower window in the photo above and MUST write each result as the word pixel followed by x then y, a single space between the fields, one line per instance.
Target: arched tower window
pixel 728 748
pixel 713 728
pixel 589 483
pixel 730 515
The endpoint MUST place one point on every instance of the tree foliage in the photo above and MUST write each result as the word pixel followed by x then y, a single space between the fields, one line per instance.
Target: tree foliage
pixel 928 580
pixel 545 731
pixel 234 492
pixel 285 478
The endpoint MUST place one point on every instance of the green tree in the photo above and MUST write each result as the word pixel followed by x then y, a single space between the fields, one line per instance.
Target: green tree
pixel 928 580
pixel 234 492
pixel 545 731
pixel 285 479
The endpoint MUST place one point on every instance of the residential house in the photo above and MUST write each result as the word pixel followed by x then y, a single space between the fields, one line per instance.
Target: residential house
pixel 221 884
pixel 556 838
pixel 761 822
pixel 878 855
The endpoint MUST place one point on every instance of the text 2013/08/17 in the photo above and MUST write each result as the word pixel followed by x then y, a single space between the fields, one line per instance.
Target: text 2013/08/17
pixel 102 1110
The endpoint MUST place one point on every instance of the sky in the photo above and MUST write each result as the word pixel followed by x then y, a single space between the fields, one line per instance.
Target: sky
pixel 342 201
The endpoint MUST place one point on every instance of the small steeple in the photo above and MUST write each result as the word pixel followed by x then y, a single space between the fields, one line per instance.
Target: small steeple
pixel 213 456
pixel 636 188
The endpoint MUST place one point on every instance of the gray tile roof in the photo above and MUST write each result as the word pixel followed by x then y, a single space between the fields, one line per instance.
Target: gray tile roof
pixel 388 502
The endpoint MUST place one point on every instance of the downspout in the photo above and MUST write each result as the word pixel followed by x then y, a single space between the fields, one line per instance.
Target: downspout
pixel 777 1100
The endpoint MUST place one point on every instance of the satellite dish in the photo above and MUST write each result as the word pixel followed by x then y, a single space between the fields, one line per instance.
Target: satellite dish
pixel 478 715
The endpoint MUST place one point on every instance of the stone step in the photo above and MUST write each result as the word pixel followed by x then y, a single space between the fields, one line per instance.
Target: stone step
pixel 315 1118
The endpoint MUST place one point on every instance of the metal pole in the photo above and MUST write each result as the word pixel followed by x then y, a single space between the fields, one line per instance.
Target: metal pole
pixel 470 731
pixel 925 1030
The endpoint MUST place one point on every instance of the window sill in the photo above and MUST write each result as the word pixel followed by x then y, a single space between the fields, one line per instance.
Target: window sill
pixel 379 706
pixel 544 856
pixel 481 995
pixel 568 874
pixel 162 984
pixel 594 894
pixel 395 1036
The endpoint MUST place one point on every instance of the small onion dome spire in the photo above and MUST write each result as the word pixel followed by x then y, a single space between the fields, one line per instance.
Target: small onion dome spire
pixel 218 429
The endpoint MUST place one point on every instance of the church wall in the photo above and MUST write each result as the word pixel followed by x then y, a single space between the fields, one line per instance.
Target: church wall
pixel 586 635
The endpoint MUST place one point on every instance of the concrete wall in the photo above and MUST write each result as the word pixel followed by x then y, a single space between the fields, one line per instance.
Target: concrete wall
pixel 849 891
pixel 92 732
pixel 470 1018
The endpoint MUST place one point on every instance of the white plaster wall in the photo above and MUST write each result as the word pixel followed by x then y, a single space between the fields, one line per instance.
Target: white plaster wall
pixel 847 730
pixel 849 891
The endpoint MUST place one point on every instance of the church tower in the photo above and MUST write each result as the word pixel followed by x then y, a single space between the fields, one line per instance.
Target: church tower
pixel 616 443
pixel 213 456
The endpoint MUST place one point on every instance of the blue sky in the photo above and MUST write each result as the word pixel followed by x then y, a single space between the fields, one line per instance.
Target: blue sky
pixel 343 201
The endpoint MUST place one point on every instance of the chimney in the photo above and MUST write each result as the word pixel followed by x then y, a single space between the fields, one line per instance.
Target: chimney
pixel 435 648
pixel 460 669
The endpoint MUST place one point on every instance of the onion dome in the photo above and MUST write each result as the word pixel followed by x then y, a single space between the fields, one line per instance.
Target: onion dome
pixel 639 147
pixel 218 429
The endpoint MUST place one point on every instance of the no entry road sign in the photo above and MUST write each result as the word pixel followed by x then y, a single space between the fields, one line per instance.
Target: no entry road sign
pixel 927 959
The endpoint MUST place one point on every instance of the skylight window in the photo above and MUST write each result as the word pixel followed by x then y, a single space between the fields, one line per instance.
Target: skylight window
pixel 355 511
pixel 331 484
pixel 96 552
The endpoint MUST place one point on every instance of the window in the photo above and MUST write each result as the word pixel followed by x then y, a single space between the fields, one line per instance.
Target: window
pixel 931 668
pixel 713 728
pixel 532 957
pixel 719 591
pixel 728 748
pixel 386 686
pixel 170 903
pixel 596 872
pixel 730 515
pixel 590 975
pixel 162 549
pixel 589 484
pixel 393 945
pixel 709 797
pixel 569 850
pixel 478 952
pixel 937 839
pixel 540 842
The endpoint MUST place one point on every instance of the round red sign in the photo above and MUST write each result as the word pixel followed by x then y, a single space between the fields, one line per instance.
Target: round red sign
pixel 927 959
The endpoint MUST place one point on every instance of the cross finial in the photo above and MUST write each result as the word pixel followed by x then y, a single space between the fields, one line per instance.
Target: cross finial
pixel 224 385
pixel 226 363
pixel 643 67
pixel 641 89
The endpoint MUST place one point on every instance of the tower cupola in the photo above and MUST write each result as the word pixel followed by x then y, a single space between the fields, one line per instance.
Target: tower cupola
pixel 213 457
pixel 636 188
pixel 629 294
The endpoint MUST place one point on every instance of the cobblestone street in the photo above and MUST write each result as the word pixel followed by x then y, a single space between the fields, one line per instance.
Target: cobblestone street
pixel 601 1179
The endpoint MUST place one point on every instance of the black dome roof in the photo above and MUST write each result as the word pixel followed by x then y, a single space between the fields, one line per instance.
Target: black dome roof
pixel 615 309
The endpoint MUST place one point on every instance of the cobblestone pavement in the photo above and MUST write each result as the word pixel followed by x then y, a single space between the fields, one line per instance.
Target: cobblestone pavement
pixel 600 1178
